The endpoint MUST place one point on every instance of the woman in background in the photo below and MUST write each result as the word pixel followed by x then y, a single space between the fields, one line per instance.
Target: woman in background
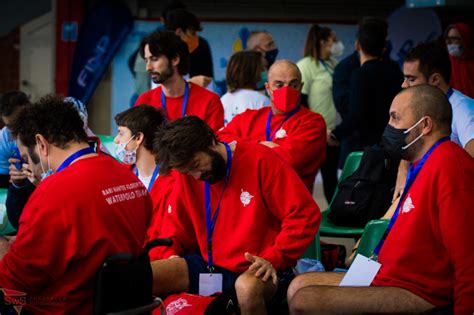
pixel 317 68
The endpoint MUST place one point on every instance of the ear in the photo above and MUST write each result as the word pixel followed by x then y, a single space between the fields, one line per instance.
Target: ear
pixel 140 138
pixel 43 145
pixel 179 31
pixel 269 91
pixel 357 45
pixel 435 79
pixel 427 125
pixel 175 61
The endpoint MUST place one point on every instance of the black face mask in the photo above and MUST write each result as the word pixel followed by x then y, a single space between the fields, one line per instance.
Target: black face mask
pixel 271 56
pixel 218 169
pixel 393 141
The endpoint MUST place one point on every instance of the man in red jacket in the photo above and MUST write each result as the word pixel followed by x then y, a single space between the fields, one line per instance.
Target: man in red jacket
pixel 240 209
pixel 297 134
pixel 86 208
pixel 167 61
pixel 426 258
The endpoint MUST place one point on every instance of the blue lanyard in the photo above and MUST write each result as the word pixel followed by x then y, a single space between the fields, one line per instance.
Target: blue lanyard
pixel 185 99
pixel 450 92
pixel 269 122
pixel 411 176
pixel 329 70
pixel 210 223
pixel 153 177
pixel 74 157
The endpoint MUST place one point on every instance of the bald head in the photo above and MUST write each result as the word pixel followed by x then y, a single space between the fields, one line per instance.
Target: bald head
pixel 283 73
pixel 427 100
pixel 286 67
pixel 261 41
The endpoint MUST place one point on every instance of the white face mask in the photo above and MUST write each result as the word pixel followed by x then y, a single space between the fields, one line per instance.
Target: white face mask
pixel 455 50
pixel 127 157
pixel 337 49
pixel 48 172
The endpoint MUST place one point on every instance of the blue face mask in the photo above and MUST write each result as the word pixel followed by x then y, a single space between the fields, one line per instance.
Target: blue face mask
pixel 49 171
pixel 263 79
pixel 46 174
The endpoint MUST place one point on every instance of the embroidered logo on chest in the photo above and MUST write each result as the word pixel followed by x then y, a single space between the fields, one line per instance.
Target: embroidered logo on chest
pixel 280 134
pixel 245 198
pixel 177 306
pixel 408 205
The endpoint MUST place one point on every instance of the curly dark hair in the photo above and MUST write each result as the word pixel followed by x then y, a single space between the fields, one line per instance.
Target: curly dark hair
pixel 58 121
pixel 12 101
pixel 169 44
pixel 177 143
pixel 143 118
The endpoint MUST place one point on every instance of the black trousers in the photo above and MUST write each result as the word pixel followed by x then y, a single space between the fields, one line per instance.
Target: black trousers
pixel 329 171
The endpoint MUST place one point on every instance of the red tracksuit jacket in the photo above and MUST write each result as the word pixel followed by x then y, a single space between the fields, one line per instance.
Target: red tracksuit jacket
pixel 265 210
pixel 301 139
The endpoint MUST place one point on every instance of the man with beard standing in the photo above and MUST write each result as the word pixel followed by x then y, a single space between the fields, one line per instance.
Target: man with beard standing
pixel 240 219
pixel 167 61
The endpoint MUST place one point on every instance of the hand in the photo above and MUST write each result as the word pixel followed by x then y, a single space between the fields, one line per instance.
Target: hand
pixel 332 142
pixel 31 176
pixel 201 80
pixel 10 239
pixel 17 176
pixel 269 144
pixel 263 269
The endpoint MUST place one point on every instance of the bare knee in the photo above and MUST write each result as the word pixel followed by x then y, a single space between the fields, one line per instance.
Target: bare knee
pixel 249 288
pixel 295 285
pixel 314 278
pixel 170 276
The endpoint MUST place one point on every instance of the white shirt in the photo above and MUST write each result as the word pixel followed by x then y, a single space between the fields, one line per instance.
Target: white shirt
pixel 240 100
pixel 463 118
pixel 145 180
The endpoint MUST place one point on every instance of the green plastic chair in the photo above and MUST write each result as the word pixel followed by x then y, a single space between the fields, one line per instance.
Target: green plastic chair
pixel 371 237
pixel 108 143
pixel 314 249
pixel 329 229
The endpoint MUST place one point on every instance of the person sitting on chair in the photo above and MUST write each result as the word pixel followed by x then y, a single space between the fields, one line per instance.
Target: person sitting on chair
pixel 86 208
pixel 240 213
pixel 427 258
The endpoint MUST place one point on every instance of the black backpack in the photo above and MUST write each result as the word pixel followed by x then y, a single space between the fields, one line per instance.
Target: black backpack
pixel 366 194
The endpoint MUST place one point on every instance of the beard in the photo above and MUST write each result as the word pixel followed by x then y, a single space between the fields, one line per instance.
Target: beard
pixel 161 77
pixel 410 152
pixel 218 169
